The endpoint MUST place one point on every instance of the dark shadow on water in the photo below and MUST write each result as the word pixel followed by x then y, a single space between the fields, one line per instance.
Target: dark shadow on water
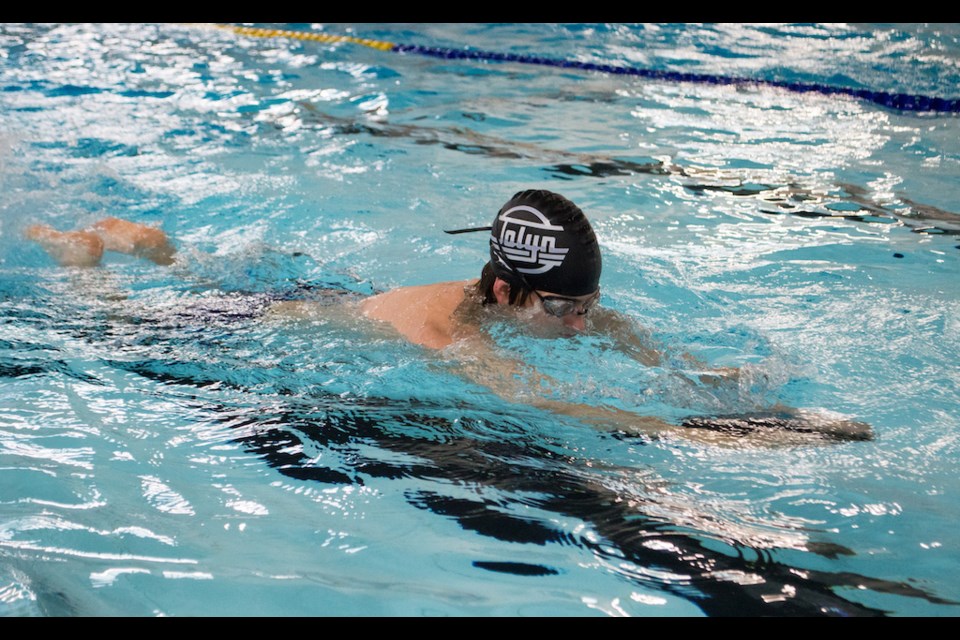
pixel 847 202
pixel 739 581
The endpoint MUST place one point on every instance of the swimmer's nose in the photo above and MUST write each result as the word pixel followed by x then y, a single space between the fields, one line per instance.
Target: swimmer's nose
pixel 575 321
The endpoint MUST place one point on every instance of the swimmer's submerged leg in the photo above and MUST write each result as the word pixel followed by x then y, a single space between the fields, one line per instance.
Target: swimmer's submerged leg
pixel 68 248
pixel 135 239
pixel 85 248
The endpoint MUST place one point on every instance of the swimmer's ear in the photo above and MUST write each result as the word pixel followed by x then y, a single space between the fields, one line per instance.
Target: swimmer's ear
pixel 501 291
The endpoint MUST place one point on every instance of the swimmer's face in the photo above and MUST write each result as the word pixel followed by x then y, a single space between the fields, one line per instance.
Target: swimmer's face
pixel 568 312
pixel 549 309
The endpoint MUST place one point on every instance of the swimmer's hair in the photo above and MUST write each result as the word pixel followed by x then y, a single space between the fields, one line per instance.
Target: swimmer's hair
pixel 518 292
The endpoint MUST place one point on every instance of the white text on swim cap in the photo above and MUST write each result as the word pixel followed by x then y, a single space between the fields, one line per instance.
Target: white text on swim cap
pixel 523 242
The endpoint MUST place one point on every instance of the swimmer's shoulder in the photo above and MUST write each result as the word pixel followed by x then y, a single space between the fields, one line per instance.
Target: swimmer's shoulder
pixel 423 314
pixel 434 295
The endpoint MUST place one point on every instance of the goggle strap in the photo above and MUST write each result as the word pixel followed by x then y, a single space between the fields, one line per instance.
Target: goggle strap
pixel 468 230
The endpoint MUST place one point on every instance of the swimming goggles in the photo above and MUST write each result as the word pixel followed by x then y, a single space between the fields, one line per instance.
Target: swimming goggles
pixel 559 306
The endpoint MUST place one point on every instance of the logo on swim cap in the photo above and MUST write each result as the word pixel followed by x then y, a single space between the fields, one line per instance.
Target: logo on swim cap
pixel 527 241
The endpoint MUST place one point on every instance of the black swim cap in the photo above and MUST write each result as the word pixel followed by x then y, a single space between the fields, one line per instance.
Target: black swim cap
pixel 547 240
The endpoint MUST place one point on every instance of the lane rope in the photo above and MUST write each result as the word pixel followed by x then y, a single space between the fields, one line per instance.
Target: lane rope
pixel 896 101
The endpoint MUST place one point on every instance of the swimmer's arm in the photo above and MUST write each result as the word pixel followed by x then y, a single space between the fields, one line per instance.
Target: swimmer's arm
pixel 627 336
pixel 631 339
pixel 515 381
pixel 778 423
pixel 608 417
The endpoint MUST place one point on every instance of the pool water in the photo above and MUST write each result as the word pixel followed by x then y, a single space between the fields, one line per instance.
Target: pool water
pixel 167 450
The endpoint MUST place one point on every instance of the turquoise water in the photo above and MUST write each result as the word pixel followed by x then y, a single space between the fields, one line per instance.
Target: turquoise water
pixel 166 451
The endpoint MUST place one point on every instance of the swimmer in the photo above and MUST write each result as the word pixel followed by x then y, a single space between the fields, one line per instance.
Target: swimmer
pixel 544 270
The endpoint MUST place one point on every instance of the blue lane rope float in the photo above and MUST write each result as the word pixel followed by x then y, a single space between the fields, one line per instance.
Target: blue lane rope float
pixel 897 101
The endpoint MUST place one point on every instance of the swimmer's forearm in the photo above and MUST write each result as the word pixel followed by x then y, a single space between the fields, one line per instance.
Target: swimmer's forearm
pixel 627 336
pixel 719 375
pixel 608 417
